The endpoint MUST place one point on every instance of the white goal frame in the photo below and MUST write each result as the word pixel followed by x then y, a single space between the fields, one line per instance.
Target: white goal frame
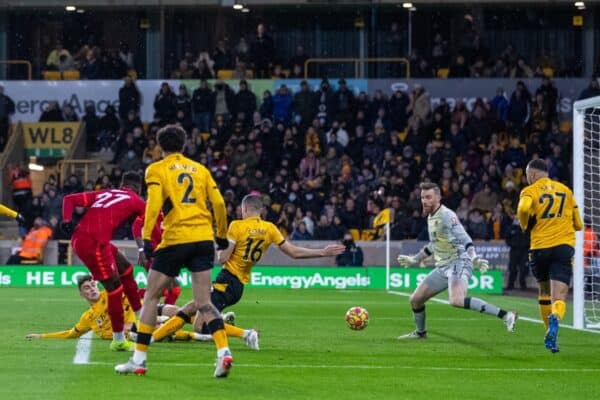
pixel 579 108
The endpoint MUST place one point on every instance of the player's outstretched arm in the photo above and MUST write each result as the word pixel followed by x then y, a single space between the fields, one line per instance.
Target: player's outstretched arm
pixel 408 260
pixel 304 252
pixel 72 333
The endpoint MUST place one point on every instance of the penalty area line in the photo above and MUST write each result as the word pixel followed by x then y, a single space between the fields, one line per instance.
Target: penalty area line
pixel 83 349
pixel 374 367
pixel 532 320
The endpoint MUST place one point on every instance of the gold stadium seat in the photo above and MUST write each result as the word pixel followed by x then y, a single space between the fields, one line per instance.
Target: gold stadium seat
pixel 225 74
pixel 355 234
pixel 443 73
pixel 548 72
pixel 51 75
pixel 276 207
pixel 72 75
pixel 132 73
pixel 367 234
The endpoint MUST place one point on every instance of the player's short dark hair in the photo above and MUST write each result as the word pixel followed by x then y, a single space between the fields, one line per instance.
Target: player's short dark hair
pixel 83 279
pixel 253 202
pixel 131 178
pixel 430 186
pixel 171 138
pixel 538 164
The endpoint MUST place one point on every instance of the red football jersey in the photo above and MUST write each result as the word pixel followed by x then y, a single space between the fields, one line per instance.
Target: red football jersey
pixel 136 230
pixel 106 211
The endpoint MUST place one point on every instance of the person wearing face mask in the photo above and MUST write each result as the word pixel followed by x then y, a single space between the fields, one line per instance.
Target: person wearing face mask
pixel 32 249
pixel 352 255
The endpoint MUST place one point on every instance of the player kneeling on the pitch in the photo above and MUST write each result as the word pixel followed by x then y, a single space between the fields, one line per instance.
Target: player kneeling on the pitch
pixel 249 239
pixel 455 257
pixel 549 209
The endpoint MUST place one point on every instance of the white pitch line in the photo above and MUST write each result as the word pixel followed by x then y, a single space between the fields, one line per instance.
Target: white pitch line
pixel 375 367
pixel 533 320
pixel 84 347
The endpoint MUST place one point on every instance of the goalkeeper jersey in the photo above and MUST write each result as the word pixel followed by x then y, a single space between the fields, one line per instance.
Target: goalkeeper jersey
pixel 448 240
pixel 95 319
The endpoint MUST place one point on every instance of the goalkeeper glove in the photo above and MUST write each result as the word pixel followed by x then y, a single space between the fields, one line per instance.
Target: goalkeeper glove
pixel 20 219
pixel 222 243
pixel 407 260
pixel 148 250
pixel 66 227
pixel 481 264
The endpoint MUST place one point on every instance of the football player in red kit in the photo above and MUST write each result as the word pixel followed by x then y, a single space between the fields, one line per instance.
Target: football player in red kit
pixel 106 211
pixel 171 293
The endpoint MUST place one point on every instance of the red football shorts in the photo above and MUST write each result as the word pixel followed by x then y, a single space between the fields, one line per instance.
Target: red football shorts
pixel 98 257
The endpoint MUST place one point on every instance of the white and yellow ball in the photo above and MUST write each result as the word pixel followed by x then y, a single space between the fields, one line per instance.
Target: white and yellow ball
pixel 357 318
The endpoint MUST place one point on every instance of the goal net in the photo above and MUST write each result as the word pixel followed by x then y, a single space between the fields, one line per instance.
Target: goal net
pixel 586 187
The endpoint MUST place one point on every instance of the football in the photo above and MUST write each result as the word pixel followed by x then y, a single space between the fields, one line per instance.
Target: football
pixel 357 318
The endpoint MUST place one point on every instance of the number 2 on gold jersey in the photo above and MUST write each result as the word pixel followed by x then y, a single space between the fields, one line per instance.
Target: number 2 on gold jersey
pixel 186 178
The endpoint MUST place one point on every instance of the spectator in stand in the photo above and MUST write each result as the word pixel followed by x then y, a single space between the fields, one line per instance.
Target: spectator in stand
pixel 398 105
pixel 7 109
pixel 300 232
pixel 263 53
pixel 303 105
pixel 183 101
pixel 352 255
pixel 185 71
pixel 222 57
pixel 203 106
pixel 345 102
pixel 72 185
pixel 420 104
pixel 550 93
pixel 245 102
pixel 477 226
pixel 282 105
pixel 592 90
pixel 51 202
pixel 126 55
pixel 309 166
pixel 53 60
pixel 459 68
pixel 52 113
pixel 32 248
pixel 521 70
pixel 109 126
pixel 485 199
pixel 165 104
pixel 298 60
pixel 131 122
pixel 323 229
pixel 68 114
pixel 65 62
pixel 152 152
pixel 224 99
pixel 90 68
pixel 325 103
pixel 205 66
pixel 423 70
pixel 500 69
pixel 540 114
pixel 92 128
pixel 519 109
pixel 129 98
pixel 499 105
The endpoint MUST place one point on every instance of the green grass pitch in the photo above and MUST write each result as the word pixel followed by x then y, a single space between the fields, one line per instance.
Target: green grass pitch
pixel 307 352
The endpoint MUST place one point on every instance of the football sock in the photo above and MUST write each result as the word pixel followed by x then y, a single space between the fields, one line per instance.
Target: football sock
pixel 115 309
pixel 172 295
pixel 217 330
pixel 172 325
pixel 559 308
pixel 476 304
pixel 142 343
pixel 231 330
pixel 545 308
pixel 131 289
pixel 419 316
pixel 119 336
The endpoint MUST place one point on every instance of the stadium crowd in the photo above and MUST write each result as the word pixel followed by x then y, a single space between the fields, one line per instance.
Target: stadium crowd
pixel 328 161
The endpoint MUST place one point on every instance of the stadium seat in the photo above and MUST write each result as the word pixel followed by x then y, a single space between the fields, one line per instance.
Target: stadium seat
pixel 566 126
pixel 51 75
pixel 276 207
pixel 205 136
pixel 72 75
pixel 443 73
pixel 402 135
pixel 355 234
pixel 225 74
pixel 548 72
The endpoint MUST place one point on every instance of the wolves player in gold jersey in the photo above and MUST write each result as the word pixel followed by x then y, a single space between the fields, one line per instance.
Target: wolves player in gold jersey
pixel 249 238
pixel 182 188
pixel 95 319
pixel 549 209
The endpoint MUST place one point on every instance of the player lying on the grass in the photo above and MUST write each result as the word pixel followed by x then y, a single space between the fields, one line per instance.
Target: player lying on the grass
pixel 249 239
pixel 96 319
pixel 549 209
pixel 106 211
pixel 455 258
pixel 12 213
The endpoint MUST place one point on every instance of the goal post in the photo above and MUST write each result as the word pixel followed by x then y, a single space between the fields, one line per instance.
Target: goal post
pixel 586 188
